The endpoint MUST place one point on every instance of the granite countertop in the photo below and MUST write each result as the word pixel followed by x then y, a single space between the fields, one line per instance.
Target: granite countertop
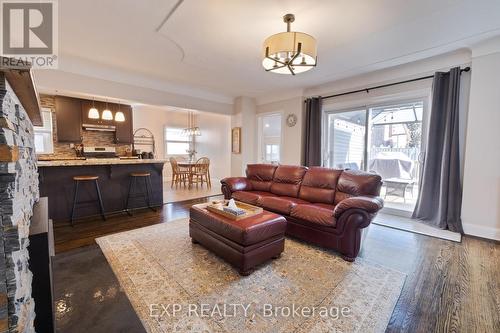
pixel 98 161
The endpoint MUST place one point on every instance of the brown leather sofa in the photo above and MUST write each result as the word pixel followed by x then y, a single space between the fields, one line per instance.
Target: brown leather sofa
pixel 326 207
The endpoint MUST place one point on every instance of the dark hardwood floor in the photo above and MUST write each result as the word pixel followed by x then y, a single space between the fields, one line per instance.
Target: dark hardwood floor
pixel 85 231
pixel 450 287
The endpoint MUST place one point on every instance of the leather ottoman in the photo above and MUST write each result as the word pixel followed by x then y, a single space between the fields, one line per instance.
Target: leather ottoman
pixel 244 243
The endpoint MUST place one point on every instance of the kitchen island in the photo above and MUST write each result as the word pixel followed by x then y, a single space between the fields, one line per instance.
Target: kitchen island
pixel 56 183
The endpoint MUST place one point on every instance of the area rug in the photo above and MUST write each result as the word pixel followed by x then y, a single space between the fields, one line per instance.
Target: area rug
pixel 177 286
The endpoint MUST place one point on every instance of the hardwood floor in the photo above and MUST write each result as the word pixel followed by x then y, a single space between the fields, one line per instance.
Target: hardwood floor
pixel 86 231
pixel 450 287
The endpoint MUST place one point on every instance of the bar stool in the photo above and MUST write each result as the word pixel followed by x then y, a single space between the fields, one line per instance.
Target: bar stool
pixel 134 176
pixel 77 180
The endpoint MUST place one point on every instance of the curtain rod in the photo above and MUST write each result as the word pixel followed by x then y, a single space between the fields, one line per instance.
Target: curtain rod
pixel 466 69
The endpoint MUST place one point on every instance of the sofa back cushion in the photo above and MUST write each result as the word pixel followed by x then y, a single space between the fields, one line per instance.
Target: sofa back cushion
pixel 261 176
pixel 354 183
pixel 287 180
pixel 318 185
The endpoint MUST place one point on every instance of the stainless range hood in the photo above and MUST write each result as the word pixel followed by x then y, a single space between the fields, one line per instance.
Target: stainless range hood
pixel 97 127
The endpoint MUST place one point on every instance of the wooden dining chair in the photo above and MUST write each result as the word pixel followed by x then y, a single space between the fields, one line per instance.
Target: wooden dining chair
pixel 178 174
pixel 201 172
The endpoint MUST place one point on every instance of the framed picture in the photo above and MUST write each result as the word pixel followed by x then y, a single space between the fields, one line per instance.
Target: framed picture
pixel 236 140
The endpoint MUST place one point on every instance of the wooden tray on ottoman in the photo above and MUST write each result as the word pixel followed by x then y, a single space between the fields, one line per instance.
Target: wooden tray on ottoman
pixel 250 210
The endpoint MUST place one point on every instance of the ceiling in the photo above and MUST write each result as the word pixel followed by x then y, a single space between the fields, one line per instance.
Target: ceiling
pixel 214 47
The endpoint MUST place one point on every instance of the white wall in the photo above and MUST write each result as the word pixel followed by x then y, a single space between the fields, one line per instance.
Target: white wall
pixel 213 143
pixel 244 117
pixel 481 198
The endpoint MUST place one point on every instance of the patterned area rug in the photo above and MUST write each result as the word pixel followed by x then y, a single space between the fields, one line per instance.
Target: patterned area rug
pixel 176 286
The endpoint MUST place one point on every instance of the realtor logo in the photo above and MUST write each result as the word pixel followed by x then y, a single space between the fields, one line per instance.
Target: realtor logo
pixel 29 33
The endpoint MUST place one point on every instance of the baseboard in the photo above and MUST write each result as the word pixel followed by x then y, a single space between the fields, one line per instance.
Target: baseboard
pixel 480 231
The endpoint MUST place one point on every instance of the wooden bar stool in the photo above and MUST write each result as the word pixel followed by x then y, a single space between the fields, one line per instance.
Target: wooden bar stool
pixel 134 176
pixel 77 180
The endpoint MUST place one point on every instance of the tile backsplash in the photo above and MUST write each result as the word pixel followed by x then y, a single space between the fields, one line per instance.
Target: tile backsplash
pixel 90 138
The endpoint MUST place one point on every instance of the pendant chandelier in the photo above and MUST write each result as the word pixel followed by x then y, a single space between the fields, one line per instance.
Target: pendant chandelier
pixel 192 129
pixel 289 52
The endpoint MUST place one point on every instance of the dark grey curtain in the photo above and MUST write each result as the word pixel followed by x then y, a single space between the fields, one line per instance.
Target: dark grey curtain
pixel 440 191
pixel 312 142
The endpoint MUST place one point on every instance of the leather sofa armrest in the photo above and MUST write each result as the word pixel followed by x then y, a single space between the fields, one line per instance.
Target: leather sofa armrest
pixel 371 205
pixel 233 184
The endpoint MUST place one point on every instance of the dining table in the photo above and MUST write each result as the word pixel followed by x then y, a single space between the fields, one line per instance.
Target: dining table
pixel 190 166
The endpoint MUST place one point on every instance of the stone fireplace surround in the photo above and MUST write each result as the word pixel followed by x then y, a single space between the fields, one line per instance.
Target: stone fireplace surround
pixel 18 194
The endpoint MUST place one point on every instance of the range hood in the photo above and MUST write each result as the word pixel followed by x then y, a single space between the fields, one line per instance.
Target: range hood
pixel 97 127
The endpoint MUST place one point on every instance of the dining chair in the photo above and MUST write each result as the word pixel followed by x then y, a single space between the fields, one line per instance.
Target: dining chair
pixel 178 174
pixel 201 172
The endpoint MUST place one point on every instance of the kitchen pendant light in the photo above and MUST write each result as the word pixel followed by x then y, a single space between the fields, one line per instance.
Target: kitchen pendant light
pixel 106 114
pixel 289 52
pixel 119 116
pixel 93 112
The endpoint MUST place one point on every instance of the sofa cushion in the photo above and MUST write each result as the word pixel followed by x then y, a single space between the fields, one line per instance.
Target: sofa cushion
pixel 281 205
pixel 319 185
pixel 260 176
pixel 355 183
pixel 287 180
pixel 321 214
pixel 250 197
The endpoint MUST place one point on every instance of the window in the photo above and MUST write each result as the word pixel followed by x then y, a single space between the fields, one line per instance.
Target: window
pixel 175 142
pixel 272 153
pixel 269 137
pixel 43 134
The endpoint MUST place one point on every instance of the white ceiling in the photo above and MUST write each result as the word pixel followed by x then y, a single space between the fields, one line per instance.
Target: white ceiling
pixel 213 48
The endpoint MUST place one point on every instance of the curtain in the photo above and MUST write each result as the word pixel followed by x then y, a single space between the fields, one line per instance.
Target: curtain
pixel 312 142
pixel 440 190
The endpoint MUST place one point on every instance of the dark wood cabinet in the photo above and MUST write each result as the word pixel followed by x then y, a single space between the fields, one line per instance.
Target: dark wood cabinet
pixel 68 119
pixel 124 129
pixel 73 113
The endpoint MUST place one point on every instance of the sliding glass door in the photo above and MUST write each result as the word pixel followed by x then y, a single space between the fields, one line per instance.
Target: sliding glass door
pixel 385 139
pixel 346 133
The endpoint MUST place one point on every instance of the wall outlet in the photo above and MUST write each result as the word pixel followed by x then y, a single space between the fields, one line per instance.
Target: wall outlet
pixel 72 145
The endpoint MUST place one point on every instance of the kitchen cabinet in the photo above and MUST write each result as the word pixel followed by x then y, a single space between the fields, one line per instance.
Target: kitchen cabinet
pixel 124 129
pixel 123 134
pixel 68 119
